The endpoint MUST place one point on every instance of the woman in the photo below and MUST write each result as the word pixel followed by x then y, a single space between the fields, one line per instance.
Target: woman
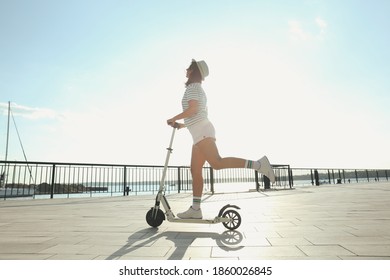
pixel 204 148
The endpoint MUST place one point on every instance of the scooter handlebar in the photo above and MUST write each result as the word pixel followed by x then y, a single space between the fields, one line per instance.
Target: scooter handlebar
pixel 175 125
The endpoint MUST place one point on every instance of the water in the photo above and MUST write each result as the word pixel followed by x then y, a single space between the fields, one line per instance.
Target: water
pixel 112 189
pixel 107 191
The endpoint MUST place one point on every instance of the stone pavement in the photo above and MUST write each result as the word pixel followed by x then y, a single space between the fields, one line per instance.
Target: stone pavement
pixel 328 222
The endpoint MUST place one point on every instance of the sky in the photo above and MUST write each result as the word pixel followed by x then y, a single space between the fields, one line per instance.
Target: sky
pixel 305 82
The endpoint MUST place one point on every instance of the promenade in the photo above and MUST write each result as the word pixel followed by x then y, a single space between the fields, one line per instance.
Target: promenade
pixel 331 222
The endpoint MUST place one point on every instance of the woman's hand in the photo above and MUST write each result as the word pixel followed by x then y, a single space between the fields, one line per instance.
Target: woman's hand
pixel 172 122
pixel 180 125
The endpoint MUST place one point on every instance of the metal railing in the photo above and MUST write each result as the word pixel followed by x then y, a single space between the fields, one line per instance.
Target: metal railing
pixel 64 180
pixel 317 176
pixel 49 180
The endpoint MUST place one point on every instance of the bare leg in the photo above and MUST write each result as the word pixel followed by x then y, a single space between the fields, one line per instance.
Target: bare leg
pixel 209 150
pixel 197 162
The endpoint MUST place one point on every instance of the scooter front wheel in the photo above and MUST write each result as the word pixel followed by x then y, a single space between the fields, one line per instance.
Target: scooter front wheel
pixel 155 219
pixel 235 219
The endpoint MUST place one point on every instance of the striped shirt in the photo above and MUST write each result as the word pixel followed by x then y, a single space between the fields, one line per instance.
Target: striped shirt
pixel 195 91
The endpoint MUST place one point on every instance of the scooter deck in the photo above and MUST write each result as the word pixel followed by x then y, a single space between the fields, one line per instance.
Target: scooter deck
pixel 200 221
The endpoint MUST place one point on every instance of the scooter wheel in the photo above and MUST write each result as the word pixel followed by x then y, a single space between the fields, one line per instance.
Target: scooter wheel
pixel 155 219
pixel 235 219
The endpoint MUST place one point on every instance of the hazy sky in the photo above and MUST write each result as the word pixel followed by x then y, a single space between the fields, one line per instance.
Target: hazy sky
pixel 305 82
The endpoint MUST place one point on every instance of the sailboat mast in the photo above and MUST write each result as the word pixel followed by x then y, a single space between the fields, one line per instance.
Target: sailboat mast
pixel 6 144
pixel 4 171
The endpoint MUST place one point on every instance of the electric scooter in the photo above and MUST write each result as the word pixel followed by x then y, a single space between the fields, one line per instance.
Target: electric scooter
pixel 228 216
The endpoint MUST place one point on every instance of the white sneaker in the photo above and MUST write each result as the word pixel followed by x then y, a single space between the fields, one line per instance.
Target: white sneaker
pixel 266 169
pixel 191 213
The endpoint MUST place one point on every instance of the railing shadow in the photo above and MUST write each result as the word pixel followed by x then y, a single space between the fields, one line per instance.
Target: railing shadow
pixel 228 240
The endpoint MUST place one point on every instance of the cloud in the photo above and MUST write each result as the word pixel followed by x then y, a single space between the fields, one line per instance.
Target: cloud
pixel 297 32
pixel 323 25
pixel 29 112
pixel 309 33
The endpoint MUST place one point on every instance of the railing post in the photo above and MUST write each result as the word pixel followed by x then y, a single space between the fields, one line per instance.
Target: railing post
pixel 178 179
pixel 267 182
pixel 53 175
pixel 212 180
pixel 311 176
pixel 344 175
pixel 316 177
pixel 333 176
pixel 257 181
pixel 125 189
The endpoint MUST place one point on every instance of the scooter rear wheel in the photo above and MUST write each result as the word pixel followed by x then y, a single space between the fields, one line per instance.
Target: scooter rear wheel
pixel 155 219
pixel 235 219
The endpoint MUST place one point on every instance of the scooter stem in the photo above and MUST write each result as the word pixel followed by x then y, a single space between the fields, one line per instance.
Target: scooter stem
pixel 167 159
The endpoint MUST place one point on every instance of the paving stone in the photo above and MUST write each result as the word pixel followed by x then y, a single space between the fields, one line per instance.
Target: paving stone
pixel 325 250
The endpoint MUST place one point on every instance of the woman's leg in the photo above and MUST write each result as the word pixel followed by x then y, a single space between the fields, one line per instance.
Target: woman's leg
pixel 197 162
pixel 208 148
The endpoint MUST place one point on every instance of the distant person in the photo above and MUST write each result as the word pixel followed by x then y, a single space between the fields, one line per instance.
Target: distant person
pixel 204 148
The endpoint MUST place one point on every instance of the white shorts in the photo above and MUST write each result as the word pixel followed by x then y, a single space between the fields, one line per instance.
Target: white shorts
pixel 202 130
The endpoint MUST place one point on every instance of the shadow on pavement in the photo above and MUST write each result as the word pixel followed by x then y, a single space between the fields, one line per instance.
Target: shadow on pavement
pixel 228 240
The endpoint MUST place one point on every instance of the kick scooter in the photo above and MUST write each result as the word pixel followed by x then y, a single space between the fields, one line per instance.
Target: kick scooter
pixel 229 217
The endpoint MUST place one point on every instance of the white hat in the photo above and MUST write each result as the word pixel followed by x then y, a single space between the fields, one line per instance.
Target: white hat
pixel 203 68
